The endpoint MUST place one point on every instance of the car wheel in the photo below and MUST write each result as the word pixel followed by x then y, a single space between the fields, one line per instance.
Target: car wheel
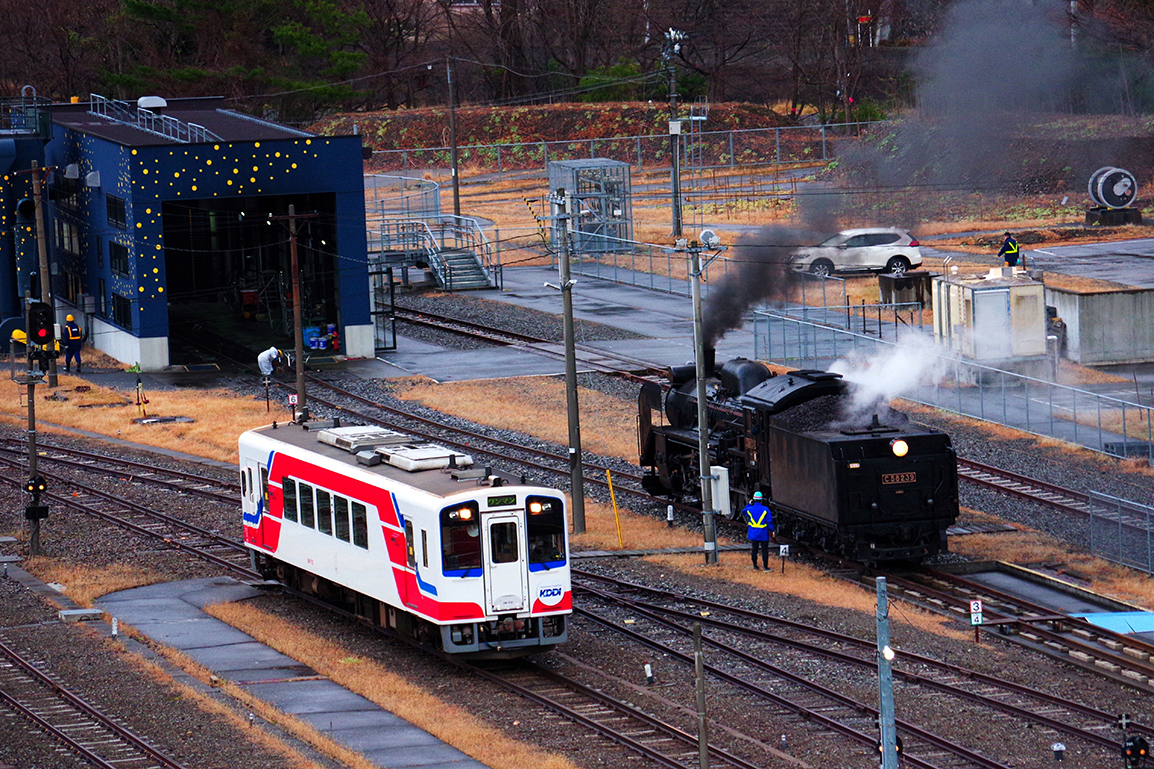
pixel 822 267
pixel 897 265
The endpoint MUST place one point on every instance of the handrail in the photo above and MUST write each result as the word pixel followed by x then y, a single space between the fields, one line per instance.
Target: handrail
pixel 147 120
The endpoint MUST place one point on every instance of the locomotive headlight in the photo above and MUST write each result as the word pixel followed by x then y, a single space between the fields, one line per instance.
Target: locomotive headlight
pixel 900 447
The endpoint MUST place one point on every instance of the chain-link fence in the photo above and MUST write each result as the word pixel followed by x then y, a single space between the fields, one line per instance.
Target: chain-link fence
pixel 710 149
pixel 1120 531
pixel 912 365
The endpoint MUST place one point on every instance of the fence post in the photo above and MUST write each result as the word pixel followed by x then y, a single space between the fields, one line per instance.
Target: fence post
pixel 639 166
pixel 498 158
pixel 732 160
pixel 777 135
pixel 823 141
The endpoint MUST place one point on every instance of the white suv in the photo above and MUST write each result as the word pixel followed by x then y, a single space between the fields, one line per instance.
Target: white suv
pixel 875 248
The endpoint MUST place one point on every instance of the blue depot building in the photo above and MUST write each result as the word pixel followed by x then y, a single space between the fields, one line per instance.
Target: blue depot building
pixel 162 216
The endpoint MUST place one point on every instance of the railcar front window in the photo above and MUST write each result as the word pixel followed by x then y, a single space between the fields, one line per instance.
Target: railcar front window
pixel 308 517
pixel 341 515
pixel 324 512
pixel 545 519
pixel 360 526
pixel 461 539
pixel 503 542
pixel 289 489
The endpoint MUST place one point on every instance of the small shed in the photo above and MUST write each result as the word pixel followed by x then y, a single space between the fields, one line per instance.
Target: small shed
pixel 995 319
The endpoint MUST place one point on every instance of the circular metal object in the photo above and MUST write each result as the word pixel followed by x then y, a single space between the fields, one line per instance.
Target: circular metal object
pixel 1112 187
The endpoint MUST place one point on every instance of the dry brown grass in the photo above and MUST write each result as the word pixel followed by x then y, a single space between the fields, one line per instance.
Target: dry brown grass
pixel 534 405
pixel 1027 546
pixel 84 584
pixel 806 582
pixel 220 416
pixel 373 681
pixel 292 759
pixel 300 729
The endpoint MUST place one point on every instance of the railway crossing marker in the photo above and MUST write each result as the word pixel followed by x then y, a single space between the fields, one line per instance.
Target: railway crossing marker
pixel 976 618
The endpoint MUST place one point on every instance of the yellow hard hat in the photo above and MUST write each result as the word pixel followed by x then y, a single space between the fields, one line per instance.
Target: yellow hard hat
pixel 69 318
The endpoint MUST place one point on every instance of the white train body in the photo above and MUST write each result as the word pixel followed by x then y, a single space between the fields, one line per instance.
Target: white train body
pixel 407 535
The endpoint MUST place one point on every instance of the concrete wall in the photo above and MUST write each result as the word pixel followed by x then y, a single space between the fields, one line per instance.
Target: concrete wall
pixel 151 353
pixel 1107 327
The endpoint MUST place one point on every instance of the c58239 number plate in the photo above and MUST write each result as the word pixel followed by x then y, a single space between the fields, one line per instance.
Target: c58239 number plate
pixel 890 479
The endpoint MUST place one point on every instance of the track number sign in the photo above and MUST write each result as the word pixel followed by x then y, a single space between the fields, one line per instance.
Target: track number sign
pixel 975 612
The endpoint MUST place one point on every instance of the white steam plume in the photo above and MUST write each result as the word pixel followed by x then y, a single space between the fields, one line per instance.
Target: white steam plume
pixel 891 372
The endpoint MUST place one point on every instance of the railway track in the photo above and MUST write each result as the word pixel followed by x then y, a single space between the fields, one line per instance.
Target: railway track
pixel 80 727
pixel 630 727
pixel 1024 487
pixel 1125 658
pixel 662 623
pixel 590 357
pixel 117 467
pixel 141 519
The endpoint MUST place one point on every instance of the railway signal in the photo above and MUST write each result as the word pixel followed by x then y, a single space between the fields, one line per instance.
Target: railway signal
pixel 41 324
pixel 1134 750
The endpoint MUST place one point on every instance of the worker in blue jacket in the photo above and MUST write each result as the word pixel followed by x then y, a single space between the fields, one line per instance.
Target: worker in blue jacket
pixel 759 519
pixel 1010 251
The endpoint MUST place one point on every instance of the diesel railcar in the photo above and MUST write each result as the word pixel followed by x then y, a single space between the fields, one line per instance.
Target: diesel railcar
pixel 409 535
pixel 872 486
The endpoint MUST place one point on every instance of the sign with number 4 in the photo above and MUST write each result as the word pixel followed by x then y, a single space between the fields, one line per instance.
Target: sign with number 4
pixel 783 551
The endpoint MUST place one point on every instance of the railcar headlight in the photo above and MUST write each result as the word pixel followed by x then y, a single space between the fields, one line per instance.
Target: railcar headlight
pixel 534 507
pixel 899 447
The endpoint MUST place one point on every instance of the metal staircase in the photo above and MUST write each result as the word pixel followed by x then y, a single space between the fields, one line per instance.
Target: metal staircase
pixel 455 248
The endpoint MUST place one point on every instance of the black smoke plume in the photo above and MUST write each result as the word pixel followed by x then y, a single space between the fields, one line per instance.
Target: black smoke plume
pixel 759 271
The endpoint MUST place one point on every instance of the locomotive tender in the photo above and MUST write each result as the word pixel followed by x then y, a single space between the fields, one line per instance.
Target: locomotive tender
pixel 874 488
pixel 408 535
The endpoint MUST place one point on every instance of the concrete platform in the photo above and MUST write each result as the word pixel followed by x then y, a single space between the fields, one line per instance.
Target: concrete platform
pixel 172 614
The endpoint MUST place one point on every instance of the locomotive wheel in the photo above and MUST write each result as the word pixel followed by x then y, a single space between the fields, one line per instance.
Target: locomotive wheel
pixel 822 267
pixel 897 265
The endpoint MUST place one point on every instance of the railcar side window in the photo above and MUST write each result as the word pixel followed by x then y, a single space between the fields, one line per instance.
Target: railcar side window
pixel 503 542
pixel 425 548
pixel 460 539
pixel 289 489
pixel 243 483
pixel 545 519
pixel 360 526
pixel 410 545
pixel 307 510
pixel 341 515
pixel 324 512
pixel 264 485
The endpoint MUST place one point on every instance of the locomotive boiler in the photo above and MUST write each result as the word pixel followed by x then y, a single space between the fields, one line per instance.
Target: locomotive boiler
pixel 873 486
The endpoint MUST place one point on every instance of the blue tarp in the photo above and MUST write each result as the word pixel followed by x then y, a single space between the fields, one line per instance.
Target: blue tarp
pixel 1122 621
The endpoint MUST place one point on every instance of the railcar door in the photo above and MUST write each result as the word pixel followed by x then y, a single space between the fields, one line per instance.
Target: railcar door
pixel 254 497
pixel 506 581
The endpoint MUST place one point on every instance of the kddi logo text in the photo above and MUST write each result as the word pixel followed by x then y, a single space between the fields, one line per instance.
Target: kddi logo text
pixel 551 594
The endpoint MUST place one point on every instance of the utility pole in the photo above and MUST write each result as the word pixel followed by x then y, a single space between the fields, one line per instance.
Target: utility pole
pixel 302 410
pixel 672 47
pixel 453 140
pixel 577 480
pixel 886 724
pixel 709 522
pixel 42 248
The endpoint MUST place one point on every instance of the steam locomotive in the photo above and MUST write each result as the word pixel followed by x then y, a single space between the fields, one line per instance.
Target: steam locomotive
pixel 874 487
